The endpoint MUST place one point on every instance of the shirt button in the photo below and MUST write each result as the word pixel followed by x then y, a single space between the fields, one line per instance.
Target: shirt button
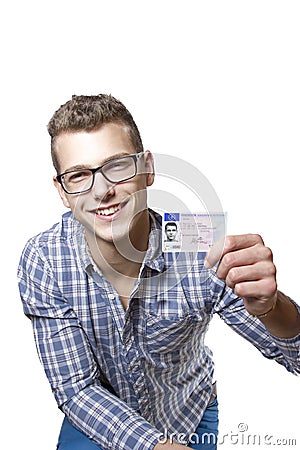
pixel 111 296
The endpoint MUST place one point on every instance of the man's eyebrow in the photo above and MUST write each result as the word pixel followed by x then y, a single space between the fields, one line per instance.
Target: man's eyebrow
pixel 89 166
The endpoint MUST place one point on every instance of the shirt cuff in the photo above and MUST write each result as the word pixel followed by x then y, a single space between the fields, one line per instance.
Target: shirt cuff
pixel 140 436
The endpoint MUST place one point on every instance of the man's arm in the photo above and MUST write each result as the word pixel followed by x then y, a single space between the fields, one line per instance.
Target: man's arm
pixel 246 265
pixel 284 320
pixel 70 367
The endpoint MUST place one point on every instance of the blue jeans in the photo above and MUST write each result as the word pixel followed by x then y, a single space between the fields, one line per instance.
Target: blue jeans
pixel 206 433
pixel 204 438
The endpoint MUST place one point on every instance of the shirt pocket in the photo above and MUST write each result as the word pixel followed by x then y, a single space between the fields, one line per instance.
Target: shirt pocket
pixel 168 339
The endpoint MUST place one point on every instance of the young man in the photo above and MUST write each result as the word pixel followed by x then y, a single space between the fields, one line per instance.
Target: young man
pixel 119 325
pixel 171 231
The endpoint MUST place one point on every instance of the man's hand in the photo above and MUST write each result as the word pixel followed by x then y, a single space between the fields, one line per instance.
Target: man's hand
pixel 247 267
pixel 169 446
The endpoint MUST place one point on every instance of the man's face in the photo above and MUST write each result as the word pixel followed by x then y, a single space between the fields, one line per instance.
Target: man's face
pixel 108 211
pixel 171 231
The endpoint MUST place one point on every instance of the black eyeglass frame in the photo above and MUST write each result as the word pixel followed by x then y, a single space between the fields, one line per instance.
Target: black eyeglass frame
pixel 134 156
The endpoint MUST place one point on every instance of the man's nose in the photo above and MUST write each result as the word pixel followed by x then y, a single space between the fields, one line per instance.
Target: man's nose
pixel 101 186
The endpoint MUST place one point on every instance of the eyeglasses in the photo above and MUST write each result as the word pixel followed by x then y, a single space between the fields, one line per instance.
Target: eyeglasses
pixel 115 171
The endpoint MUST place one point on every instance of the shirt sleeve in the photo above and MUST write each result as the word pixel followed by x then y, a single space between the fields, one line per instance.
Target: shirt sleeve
pixel 231 309
pixel 68 362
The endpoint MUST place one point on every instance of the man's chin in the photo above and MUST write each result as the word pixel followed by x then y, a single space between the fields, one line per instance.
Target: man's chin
pixel 111 238
pixel 113 232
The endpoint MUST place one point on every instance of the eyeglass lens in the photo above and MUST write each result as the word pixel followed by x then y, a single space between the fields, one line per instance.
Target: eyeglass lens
pixel 120 169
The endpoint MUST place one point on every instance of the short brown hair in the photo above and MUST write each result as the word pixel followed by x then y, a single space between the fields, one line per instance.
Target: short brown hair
pixel 89 113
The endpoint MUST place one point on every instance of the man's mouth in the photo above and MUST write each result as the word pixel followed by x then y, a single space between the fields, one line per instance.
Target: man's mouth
pixel 108 211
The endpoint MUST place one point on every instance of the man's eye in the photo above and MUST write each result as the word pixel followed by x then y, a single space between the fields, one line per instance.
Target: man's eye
pixel 76 177
pixel 118 165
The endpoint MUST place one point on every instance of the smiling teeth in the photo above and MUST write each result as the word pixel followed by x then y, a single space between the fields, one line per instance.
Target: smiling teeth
pixel 108 211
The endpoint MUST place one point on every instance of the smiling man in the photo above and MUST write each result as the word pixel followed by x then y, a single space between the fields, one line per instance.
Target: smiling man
pixel 109 200
pixel 120 325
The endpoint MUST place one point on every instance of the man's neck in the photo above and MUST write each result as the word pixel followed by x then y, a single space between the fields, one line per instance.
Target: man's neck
pixel 115 259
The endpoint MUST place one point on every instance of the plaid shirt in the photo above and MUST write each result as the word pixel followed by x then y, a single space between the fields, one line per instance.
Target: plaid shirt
pixel 125 377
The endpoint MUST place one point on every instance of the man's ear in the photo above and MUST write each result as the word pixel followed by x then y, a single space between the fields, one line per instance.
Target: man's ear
pixel 149 168
pixel 61 192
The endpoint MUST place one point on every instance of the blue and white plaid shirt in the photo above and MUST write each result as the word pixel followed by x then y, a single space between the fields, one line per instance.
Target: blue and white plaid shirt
pixel 125 377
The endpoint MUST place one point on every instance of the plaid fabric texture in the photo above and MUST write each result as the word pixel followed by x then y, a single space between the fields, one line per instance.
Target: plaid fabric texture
pixel 125 377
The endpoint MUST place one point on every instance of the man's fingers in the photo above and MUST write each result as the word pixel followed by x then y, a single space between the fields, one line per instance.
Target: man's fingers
pixel 231 244
pixel 214 255
pixel 255 272
pixel 245 257
pixel 246 265
pixel 252 290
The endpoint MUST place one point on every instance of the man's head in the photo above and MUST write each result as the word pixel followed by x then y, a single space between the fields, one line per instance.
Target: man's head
pixel 90 137
pixel 171 230
pixel 90 113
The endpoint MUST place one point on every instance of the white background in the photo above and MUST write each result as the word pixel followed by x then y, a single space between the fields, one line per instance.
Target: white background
pixel 215 83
